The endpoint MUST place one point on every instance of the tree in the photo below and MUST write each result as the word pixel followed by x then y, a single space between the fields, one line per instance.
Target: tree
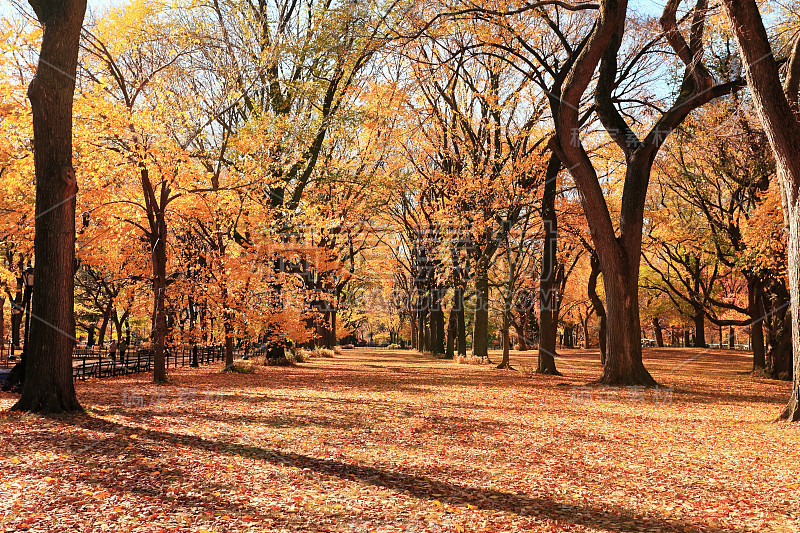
pixel 619 251
pixel 48 386
pixel 777 107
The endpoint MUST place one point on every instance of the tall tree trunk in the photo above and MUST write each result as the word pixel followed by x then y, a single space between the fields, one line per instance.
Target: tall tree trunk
pixel 755 308
pixel 624 346
pixel 104 325
pixel 90 335
pixel 334 332
pixel 452 331
pixel 548 299
pixel 461 336
pixel 421 312
pixel 506 361
pixel 480 332
pixel 159 259
pixel 659 333
pixel 2 320
pixel 597 305
pixel 437 321
pixel 48 386
pixel 776 105
pixel 700 328
pixel 731 338
pixel 414 330
pixel 521 338
pixel 227 326
pixel 778 357
pixel 569 341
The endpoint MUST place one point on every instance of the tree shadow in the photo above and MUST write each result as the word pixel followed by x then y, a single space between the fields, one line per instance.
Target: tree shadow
pixel 421 487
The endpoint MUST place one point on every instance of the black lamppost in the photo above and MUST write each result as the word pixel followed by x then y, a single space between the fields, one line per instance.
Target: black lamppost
pixel 193 312
pixel 28 279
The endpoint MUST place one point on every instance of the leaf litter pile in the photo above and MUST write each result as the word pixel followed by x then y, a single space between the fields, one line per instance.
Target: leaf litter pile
pixel 393 441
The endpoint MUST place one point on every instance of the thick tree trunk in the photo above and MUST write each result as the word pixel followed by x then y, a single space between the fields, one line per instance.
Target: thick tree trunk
pixel 699 328
pixel 569 341
pixel 437 321
pixel 480 332
pixel 731 338
pixel 521 338
pixel 104 324
pixel 776 106
pixel 461 336
pixel 421 328
pixel 755 307
pixel 597 305
pixel 624 346
pixel 778 357
pixel 48 386
pixel 659 333
pixel 452 330
pixel 548 299
pixel 159 315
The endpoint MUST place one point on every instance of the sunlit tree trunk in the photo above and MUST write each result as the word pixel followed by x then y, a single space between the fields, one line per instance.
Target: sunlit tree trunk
pixel 48 386
pixel 777 107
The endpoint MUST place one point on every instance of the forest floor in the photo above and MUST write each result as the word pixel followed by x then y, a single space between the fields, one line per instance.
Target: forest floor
pixel 379 440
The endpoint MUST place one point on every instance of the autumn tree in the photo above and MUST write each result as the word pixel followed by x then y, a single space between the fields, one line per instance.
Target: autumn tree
pixel 619 249
pixel 776 102
pixel 48 386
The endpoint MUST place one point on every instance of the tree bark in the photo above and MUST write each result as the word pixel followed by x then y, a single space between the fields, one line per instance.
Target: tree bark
pixel 334 326
pixel 658 332
pixel 437 321
pixel 700 327
pixel 521 338
pixel 755 306
pixel 413 323
pixel 461 338
pixel 159 260
pixel 452 331
pixel 48 386
pixel 776 106
pixel 597 305
pixel 778 356
pixel 624 348
pixel 505 363
pixel 548 299
pixel 2 320
pixel 480 332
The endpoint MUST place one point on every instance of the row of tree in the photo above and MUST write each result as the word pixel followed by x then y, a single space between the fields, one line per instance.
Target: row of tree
pixel 254 168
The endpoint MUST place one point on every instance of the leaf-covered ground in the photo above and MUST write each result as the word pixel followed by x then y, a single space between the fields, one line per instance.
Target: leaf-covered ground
pixel 393 441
